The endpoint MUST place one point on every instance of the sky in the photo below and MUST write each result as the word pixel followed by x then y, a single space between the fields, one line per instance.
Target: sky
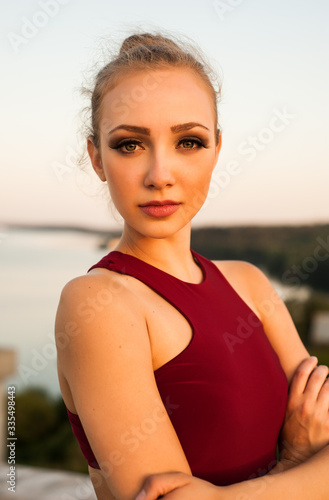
pixel 272 59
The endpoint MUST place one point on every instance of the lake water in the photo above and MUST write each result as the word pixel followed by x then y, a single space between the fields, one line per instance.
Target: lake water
pixel 34 267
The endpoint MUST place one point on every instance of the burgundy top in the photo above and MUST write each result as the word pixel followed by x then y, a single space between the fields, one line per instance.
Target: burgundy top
pixel 226 392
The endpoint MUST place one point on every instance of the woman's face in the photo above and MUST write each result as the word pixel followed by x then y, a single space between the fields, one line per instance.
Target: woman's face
pixel 157 145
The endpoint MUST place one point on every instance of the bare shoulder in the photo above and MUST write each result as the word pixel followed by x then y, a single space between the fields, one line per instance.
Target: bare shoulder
pixel 108 283
pixel 90 295
pixel 98 313
pixel 106 377
pixel 249 282
pixel 255 288
pixel 239 269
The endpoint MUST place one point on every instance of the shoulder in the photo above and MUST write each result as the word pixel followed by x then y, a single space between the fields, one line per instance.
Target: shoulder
pixel 90 283
pixel 97 302
pixel 250 283
pixel 106 377
pixel 240 269
pixel 95 292
pixel 255 288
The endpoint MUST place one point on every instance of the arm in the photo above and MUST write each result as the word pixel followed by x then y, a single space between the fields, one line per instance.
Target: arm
pixel 257 291
pixel 306 426
pixel 306 481
pixel 306 429
pixel 107 366
pixel 302 472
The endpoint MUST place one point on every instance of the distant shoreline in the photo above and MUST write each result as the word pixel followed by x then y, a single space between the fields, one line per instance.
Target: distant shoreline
pixel 42 227
pixel 116 232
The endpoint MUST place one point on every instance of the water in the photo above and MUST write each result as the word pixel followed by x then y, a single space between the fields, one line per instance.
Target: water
pixel 34 267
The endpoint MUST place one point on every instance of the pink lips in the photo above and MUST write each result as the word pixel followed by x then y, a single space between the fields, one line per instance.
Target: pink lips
pixel 159 208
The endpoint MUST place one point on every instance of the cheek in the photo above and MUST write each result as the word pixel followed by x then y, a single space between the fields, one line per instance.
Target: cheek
pixel 197 188
pixel 198 184
pixel 117 191
pixel 122 185
pixel 201 177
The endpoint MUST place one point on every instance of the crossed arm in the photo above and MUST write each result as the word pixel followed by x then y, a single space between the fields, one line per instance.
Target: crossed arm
pixel 109 344
pixel 302 472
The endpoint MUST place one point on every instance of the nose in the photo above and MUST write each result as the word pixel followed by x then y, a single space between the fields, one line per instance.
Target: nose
pixel 159 172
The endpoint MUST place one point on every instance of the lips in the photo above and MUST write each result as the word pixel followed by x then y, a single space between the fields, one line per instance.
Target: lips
pixel 156 203
pixel 162 208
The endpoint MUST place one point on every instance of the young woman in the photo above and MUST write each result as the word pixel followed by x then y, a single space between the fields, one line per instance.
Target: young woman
pixel 171 362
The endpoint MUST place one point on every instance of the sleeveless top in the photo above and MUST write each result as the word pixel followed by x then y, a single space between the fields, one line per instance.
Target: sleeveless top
pixel 226 392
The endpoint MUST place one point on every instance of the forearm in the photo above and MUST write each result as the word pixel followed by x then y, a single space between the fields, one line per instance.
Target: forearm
pixel 306 481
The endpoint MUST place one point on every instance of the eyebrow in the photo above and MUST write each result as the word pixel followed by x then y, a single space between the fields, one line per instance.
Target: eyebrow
pixel 146 131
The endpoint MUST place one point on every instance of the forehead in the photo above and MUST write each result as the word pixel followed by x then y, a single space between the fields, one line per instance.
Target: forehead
pixel 161 97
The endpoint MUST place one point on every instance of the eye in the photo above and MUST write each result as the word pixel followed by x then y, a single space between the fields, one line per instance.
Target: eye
pixel 191 143
pixel 130 146
pixel 127 146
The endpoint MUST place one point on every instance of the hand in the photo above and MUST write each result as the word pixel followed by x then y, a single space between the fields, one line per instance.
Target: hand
pixel 177 486
pixel 306 427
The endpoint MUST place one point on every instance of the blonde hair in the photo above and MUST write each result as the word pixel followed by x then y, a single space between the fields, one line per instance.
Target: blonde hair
pixel 148 51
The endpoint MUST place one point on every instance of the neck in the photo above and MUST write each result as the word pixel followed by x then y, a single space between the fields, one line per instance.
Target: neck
pixel 170 254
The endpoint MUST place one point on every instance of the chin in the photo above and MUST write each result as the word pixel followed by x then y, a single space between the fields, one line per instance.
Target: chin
pixel 158 229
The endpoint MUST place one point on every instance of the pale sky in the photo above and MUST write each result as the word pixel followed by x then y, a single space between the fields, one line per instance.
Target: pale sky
pixel 272 55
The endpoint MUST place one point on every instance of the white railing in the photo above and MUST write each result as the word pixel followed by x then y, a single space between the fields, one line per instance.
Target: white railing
pixel 33 483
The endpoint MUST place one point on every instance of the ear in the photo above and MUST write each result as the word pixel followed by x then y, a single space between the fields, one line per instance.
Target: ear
pixel 95 159
pixel 218 145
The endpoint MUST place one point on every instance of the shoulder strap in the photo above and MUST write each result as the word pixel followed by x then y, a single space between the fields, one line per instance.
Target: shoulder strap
pixel 186 297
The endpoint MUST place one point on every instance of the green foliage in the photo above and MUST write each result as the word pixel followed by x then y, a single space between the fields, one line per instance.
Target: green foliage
pixel 44 434
pixel 296 256
pixel 322 354
pixel 287 252
pixel 35 416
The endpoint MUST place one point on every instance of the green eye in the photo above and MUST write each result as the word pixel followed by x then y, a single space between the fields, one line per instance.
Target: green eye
pixel 130 146
pixel 127 146
pixel 188 144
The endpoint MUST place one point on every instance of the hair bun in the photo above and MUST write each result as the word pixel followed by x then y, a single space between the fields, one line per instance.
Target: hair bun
pixel 145 40
pixel 147 52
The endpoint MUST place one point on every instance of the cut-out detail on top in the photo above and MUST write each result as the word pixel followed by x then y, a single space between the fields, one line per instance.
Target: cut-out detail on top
pixel 226 392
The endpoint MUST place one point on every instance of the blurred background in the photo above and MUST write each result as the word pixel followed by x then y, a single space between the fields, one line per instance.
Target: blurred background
pixel 268 201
